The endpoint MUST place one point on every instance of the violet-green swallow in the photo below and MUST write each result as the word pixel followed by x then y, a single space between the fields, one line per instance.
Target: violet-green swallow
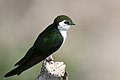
pixel 48 42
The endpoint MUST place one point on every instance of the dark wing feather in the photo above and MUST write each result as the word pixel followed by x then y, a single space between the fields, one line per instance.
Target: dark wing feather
pixel 27 63
pixel 28 54
pixel 46 43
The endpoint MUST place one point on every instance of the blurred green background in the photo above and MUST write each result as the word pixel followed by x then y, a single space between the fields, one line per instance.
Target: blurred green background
pixel 91 51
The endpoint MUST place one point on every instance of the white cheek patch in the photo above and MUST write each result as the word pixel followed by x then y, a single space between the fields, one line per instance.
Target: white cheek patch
pixel 62 23
pixel 63 29
pixel 63 26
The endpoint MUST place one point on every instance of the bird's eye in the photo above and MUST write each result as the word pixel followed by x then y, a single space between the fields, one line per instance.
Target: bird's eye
pixel 66 22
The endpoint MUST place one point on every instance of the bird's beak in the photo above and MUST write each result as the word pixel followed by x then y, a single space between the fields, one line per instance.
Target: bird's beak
pixel 73 24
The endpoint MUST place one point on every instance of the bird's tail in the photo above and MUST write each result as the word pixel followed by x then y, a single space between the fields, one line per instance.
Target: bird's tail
pixel 15 71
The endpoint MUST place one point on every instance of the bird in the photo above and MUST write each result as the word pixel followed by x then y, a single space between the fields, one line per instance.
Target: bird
pixel 47 42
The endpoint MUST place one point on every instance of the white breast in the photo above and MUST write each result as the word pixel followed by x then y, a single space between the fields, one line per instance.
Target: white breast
pixel 63 28
pixel 64 34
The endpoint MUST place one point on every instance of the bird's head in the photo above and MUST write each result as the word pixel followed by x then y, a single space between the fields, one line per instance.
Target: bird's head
pixel 63 22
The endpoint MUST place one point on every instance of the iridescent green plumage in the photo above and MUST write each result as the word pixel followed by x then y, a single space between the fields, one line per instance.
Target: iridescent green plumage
pixel 47 43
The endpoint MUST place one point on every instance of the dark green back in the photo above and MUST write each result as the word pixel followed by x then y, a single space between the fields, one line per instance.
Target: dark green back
pixel 49 40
